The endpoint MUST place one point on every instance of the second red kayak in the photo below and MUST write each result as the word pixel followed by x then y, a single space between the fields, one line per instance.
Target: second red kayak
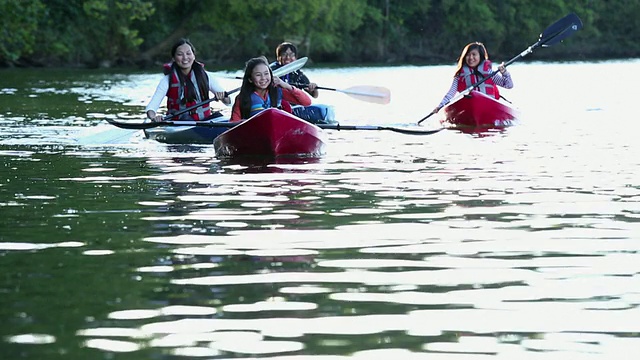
pixel 272 132
pixel 478 110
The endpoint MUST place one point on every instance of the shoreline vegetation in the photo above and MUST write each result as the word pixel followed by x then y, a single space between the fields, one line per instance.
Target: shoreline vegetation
pixel 138 33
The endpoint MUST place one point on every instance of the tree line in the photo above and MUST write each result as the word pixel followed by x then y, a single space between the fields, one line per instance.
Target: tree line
pixel 127 33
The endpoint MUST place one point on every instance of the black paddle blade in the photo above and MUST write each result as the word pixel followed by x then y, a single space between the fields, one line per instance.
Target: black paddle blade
pixel 560 30
pixel 410 131
pixel 400 130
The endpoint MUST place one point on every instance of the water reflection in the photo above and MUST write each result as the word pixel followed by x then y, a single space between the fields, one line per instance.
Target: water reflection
pixel 479 132
pixel 518 245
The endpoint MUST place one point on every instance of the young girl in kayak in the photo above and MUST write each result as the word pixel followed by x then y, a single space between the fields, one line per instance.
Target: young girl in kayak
pixel 473 66
pixel 261 90
pixel 185 84
pixel 287 53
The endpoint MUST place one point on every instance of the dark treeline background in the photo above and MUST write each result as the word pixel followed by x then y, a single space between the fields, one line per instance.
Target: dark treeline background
pixel 128 33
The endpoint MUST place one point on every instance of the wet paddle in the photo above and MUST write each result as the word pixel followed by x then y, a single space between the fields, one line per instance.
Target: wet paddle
pixel 225 124
pixel 406 131
pixel 281 71
pixel 372 94
pixel 552 35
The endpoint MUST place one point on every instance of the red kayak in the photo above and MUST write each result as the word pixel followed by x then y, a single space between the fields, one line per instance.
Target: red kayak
pixel 272 132
pixel 478 110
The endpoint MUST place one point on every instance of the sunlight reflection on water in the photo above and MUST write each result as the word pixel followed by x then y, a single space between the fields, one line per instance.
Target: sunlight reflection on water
pixel 515 245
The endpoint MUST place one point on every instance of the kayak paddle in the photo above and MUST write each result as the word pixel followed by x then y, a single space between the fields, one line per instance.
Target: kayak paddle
pixel 226 124
pixel 372 94
pixel 284 70
pixel 406 131
pixel 552 35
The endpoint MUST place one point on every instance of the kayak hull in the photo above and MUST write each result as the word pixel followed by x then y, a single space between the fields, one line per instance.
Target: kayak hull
pixel 187 134
pixel 315 114
pixel 272 133
pixel 477 110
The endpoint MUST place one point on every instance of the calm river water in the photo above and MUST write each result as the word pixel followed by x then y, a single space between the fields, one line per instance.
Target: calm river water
pixel 522 244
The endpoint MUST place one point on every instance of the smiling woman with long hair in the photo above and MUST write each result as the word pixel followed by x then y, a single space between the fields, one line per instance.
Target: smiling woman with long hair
pixel 473 67
pixel 261 90
pixel 185 84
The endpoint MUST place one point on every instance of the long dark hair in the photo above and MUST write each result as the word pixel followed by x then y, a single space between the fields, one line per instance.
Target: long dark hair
pixel 484 55
pixel 198 70
pixel 248 87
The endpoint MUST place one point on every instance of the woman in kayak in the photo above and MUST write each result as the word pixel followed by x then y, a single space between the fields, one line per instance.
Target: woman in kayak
pixel 287 53
pixel 473 66
pixel 261 90
pixel 185 84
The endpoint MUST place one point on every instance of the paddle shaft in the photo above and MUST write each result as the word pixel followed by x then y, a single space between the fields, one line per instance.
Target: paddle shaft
pixel 553 34
pixel 225 124
pixel 372 94
pixel 371 90
pixel 302 86
pixel 284 70
pixel 195 106
pixel 406 131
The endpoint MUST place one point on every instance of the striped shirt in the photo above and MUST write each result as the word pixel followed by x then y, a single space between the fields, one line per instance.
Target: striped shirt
pixel 499 79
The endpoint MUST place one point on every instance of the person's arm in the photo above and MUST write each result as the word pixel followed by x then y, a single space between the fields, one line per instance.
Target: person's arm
pixel 156 99
pixel 292 94
pixel 310 87
pixel 236 115
pixel 503 78
pixel 217 89
pixel 296 96
pixel 449 95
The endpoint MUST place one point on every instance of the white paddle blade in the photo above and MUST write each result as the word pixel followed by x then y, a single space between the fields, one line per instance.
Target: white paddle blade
pixel 290 67
pixel 104 134
pixel 372 94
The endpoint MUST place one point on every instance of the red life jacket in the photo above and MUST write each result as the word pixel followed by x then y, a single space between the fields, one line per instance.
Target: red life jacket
pixel 468 77
pixel 176 93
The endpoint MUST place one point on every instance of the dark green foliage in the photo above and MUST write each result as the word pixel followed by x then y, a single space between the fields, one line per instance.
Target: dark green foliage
pixel 19 32
pixel 228 32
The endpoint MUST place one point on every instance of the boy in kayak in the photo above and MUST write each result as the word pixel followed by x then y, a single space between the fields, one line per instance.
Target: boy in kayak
pixel 287 53
pixel 261 90
pixel 474 66
pixel 185 84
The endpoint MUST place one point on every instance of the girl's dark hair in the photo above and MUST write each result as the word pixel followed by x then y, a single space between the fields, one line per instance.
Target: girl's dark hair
pixel 202 79
pixel 248 87
pixel 484 55
pixel 284 47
